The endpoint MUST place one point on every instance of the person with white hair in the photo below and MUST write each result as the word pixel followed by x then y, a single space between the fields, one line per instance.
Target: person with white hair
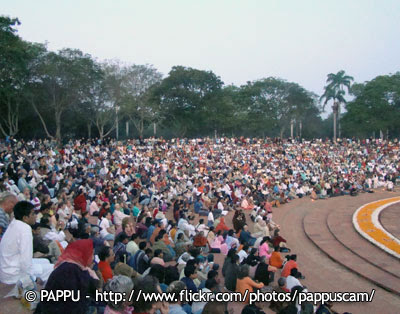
pixel 122 285
pixel 7 203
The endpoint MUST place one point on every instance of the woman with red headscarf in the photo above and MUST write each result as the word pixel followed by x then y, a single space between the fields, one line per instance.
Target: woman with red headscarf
pixel 72 272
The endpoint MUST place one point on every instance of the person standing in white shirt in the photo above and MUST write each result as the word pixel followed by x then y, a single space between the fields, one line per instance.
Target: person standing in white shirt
pixel 16 248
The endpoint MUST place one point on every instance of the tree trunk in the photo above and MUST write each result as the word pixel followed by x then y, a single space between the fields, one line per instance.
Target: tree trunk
pixel 300 128
pixel 58 126
pixel 89 130
pixel 41 120
pixel 334 126
pixel 127 129
pixel 281 132
pixel 291 128
pixel 338 120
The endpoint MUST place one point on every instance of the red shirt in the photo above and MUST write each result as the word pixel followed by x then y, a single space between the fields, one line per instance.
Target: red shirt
pixel 105 270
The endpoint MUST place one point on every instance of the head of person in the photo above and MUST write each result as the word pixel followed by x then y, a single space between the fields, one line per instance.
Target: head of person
pixel 8 201
pixel 122 285
pixel 79 252
pixel 142 245
pixel 148 284
pixel 176 287
pixel 215 308
pixel 106 254
pixel 190 271
pixel 212 284
pixel 94 232
pixel 243 271
pixel 24 211
pixel 36 229
pixel 282 282
pixel 158 271
pixel 294 272
pixel 158 253
pixel 235 259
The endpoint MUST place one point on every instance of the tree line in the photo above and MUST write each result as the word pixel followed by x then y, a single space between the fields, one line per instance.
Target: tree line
pixel 70 94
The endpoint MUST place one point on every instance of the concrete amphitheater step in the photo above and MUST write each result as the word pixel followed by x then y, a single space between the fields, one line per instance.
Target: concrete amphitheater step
pixel 389 219
pixel 316 228
pixel 341 226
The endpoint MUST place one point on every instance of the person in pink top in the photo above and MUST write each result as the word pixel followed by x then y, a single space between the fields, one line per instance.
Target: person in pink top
pixel 219 243
pixel 263 249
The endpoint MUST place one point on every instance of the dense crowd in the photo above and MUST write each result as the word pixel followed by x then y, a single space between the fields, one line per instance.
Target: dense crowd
pixel 150 215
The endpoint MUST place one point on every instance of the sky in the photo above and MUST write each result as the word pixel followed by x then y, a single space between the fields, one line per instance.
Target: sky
pixel 239 40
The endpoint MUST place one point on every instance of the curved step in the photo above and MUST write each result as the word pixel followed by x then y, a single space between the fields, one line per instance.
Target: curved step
pixel 341 226
pixel 316 228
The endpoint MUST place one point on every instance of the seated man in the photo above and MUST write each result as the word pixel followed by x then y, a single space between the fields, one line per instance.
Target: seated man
pixel 16 248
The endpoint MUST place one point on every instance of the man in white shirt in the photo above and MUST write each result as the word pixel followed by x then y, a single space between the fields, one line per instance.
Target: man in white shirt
pixel 16 248
pixel 106 229
pixel 292 281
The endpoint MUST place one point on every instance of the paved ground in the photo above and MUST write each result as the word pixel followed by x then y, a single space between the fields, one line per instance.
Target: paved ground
pixel 330 221
pixel 389 218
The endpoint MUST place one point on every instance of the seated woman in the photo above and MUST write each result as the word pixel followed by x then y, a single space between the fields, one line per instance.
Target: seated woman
pixel 244 282
pixel 264 272
pixel 219 245
pixel 260 229
pixel 238 220
pixel 75 266
pixel 246 204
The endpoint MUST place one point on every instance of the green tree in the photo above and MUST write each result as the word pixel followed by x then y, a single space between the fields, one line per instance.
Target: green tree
pixel 334 90
pixel 16 60
pixel 185 98
pixel 63 81
pixel 376 107
pixel 274 104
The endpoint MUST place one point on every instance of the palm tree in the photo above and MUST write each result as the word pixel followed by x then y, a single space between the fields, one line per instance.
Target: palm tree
pixel 335 91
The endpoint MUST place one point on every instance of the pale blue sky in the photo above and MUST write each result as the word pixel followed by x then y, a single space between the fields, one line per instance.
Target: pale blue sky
pixel 298 40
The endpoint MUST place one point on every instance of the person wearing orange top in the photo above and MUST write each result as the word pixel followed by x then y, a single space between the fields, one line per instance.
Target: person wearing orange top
pixel 244 282
pixel 106 256
pixel 221 226
pixel 290 264
pixel 276 258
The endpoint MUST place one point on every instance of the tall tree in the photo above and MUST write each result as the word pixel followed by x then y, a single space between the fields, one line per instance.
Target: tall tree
pixel 16 59
pixel 66 80
pixel 136 103
pixel 334 90
pixel 185 97
pixel 376 107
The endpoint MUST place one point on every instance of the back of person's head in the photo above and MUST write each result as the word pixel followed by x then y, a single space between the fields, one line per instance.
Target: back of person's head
pixel 119 284
pixel 245 247
pixel 215 308
pixel 134 237
pixel 201 221
pixel 176 287
pixel 234 259
pixel 22 209
pixel 211 283
pixel 180 236
pixel 251 309
pixel 212 274
pixel 157 252
pixel 44 221
pixel 293 272
pixel 148 251
pixel 158 237
pixel 230 232
pixel 142 245
pixel 171 274
pixel 293 257
pixel 276 248
pixel 243 271
pixel 231 252
pixel 191 262
pixel 158 271
pixel 282 282
pixel 104 253
pixel 189 270
pixel 148 284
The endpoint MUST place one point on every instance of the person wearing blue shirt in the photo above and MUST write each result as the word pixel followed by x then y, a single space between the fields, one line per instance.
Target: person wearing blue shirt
pixel 190 274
